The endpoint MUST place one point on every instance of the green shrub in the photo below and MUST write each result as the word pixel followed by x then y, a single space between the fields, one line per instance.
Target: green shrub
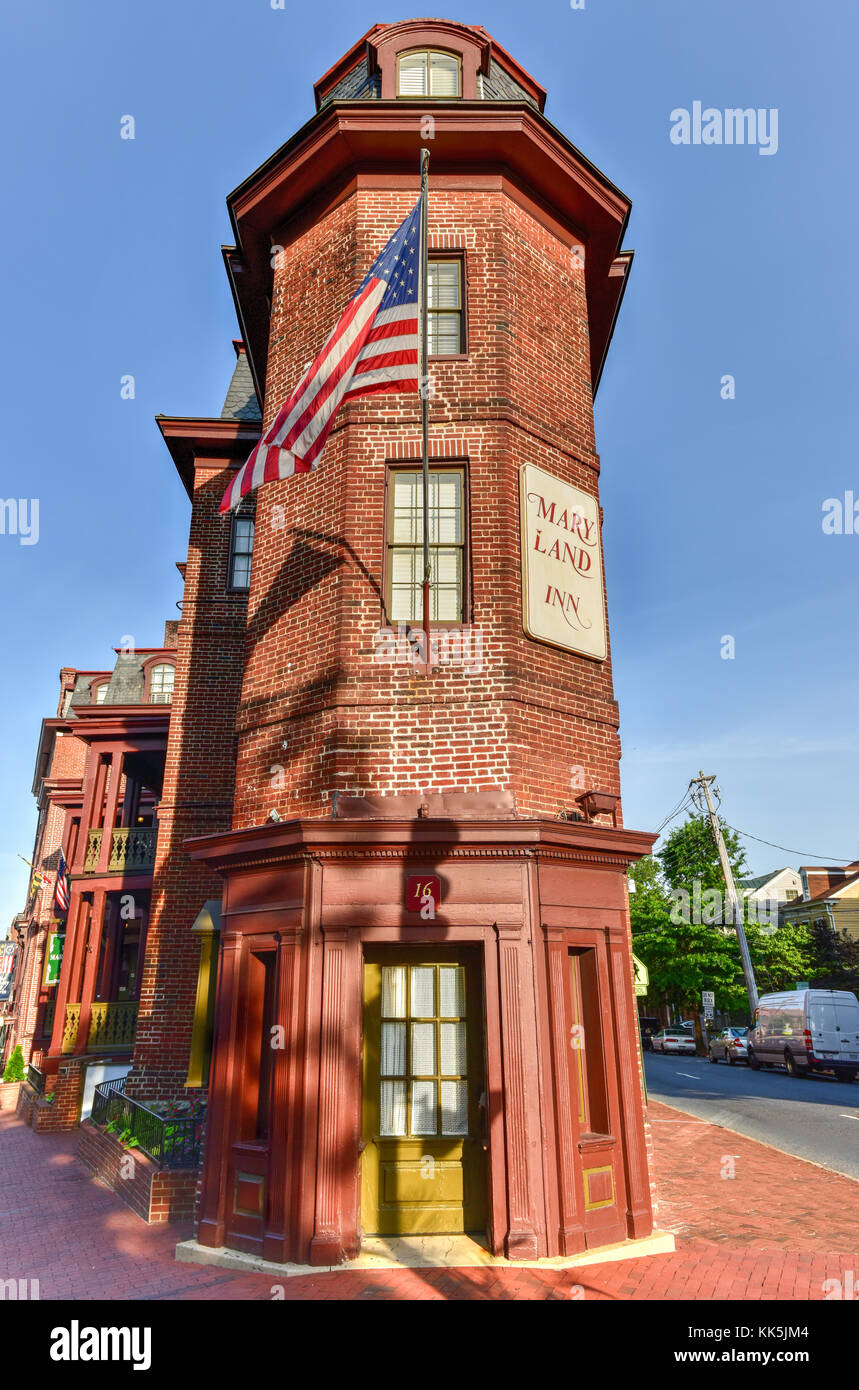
pixel 15 1069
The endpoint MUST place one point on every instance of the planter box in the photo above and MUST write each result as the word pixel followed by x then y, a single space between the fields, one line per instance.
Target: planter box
pixel 155 1194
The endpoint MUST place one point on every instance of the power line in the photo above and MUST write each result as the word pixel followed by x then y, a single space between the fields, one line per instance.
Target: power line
pixel 681 806
pixel 803 854
pixel 747 835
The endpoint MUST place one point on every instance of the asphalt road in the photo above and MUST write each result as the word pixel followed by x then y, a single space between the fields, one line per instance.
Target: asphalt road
pixel 816 1118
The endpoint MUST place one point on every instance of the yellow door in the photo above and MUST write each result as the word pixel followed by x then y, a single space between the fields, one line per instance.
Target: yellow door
pixel 423 1165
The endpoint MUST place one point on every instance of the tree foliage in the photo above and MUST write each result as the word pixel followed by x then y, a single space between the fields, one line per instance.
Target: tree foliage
pixel 685 957
pixel 15 1066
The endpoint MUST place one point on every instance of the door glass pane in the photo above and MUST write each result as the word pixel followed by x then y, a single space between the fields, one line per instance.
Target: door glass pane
pixel 423 1049
pixel 453 1049
pixel 393 991
pixel 393 1049
pixel 423 991
pixel 393 1116
pixel 452 991
pixel 423 1108
pixel 454 1107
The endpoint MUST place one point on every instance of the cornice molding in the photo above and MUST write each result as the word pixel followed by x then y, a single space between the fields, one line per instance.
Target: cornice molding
pixel 349 841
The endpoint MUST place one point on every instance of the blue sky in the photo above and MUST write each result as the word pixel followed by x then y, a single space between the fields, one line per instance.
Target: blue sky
pixel 713 508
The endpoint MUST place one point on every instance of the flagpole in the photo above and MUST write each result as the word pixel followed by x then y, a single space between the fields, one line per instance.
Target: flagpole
pixel 424 394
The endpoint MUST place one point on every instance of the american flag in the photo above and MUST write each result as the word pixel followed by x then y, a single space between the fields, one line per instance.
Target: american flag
pixel 61 892
pixel 374 348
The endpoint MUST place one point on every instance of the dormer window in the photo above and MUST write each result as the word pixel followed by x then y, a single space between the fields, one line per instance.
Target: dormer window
pixel 427 73
pixel 161 685
pixel 101 692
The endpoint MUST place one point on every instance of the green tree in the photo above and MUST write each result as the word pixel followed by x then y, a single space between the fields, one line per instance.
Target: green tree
pixel 834 958
pixel 685 932
pixel 682 926
pixel 15 1066
pixel 690 853
pixel 683 957
pixel 780 957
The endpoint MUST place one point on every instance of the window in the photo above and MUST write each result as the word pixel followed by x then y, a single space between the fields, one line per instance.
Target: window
pixel 444 307
pixel 791 894
pixel 161 685
pixel 423 73
pixel 241 550
pixel 101 692
pixel 424 1086
pixel 447 545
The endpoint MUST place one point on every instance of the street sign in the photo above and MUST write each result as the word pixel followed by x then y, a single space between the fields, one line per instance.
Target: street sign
pixel 642 976
pixel 801 984
pixel 708 1010
pixel 708 998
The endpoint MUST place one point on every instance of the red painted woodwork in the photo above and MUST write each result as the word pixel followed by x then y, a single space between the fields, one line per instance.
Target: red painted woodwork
pixel 328 890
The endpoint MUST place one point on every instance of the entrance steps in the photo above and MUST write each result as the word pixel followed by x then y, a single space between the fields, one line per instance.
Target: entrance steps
pixel 425 1252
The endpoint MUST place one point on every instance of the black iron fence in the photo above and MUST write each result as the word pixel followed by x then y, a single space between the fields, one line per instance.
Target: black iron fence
pixel 36 1078
pixel 173 1141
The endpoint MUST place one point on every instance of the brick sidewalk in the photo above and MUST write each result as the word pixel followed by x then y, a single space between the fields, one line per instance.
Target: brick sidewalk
pixel 776 1229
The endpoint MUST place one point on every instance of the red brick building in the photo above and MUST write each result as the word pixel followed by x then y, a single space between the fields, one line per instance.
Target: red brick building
pixel 397 900
pixel 423 1076
pixel 98 776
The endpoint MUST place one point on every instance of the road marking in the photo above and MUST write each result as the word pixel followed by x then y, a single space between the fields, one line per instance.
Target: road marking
pixel 850 1117
pixel 690 1074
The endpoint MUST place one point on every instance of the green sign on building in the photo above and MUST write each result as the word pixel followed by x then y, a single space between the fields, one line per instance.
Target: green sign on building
pixel 54 957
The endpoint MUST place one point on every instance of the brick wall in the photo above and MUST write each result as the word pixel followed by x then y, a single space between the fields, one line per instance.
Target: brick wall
pixel 156 1194
pixel 9 1091
pixel 317 713
pixel 278 701
pixel 197 794
pixel 64 1111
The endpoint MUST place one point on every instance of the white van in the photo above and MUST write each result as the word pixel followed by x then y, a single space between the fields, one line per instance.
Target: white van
pixel 805 1031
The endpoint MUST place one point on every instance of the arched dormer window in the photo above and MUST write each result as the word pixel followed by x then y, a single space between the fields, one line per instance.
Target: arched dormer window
pixel 161 684
pixel 99 692
pixel 427 72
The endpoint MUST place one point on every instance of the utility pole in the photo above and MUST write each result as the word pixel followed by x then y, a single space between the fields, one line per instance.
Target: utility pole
pixel 703 785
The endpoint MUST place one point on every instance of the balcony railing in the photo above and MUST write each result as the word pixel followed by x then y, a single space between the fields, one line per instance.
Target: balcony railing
pixel 111 1026
pixel 132 850
pixel 172 1141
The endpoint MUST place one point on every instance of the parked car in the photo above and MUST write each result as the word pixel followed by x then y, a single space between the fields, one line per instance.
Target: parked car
pixel 647 1027
pixel 807 1031
pixel 673 1040
pixel 729 1045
